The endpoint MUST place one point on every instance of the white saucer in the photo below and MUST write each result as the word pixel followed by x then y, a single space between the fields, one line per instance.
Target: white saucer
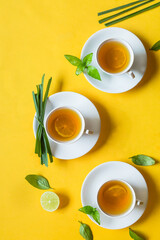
pixel 115 170
pixel 121 83
pixel 92 121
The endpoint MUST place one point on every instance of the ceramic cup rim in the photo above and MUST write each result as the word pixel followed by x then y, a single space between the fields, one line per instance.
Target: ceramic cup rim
pixel 82 124
pixel 133 201
pixel 124 42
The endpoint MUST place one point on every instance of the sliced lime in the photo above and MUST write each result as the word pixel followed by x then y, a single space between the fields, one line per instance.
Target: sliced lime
pixel 49 201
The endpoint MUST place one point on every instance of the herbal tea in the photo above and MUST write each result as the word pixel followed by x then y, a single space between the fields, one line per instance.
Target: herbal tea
pixel 113 56
pixel 115 197
pixel 64 124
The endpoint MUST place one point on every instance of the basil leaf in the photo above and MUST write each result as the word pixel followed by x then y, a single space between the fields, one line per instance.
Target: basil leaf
pixel 85 231
pixel 38 181
pixel 96 216
pixel 80 69
pixel 142 160
pixel 93 72
pixel 134 235
pixel 87 209
pixel 73 60
pixel 92 212
pixel 156 46
pixel 88 59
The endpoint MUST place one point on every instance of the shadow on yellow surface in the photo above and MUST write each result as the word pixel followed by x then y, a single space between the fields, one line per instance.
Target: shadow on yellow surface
pixel 152 65
pixel 106 126
pixel 153 196
pixel 64 200
pixel 59 85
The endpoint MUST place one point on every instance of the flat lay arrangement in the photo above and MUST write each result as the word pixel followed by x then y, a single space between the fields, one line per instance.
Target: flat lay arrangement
pixel 83 129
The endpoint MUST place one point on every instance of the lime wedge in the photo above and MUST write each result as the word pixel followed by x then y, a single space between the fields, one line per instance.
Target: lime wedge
pixel 49 201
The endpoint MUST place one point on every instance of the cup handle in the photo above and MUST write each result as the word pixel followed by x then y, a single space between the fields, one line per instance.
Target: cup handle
pixel 131 74
pixel 139 202
pixel 88 132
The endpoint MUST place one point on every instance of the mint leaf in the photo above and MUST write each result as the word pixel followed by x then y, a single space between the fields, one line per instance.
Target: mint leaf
pixel 73 60
pixel 93 72
pixel 142 160
pixel 80 69
pixel 38 181
pixel 156 46
pixel 87 59
pixel 85 231
pixel 134 235
pixel 92 212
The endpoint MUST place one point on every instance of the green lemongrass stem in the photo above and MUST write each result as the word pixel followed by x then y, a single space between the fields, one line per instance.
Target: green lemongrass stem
pixel 133 14
pixel 42 146
pixel 44 159
pixel 46 96
pixel 35 103
pixel 127 10
pixel 48 147
pixel 37 95
pixel 120 7
pixel 41 97
pixel 45 150
pixel 40 123
pixel 41 101
pixel 38 137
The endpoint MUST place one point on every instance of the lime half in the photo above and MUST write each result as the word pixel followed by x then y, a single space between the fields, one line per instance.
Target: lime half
pixel 49 201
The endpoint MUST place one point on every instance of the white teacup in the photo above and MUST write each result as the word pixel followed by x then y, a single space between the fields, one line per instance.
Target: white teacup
pixel 135 201
pixel 128 68
pixel 81 132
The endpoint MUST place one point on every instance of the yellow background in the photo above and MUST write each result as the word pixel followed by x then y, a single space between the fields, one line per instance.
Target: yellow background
pixel 34 36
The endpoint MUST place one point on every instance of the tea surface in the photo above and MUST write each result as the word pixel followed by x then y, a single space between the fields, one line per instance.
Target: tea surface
pixel 113 57
pixel 114 197
pixel 64 124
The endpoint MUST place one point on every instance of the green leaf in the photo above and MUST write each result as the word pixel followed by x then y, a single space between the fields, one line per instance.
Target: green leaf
pixel 73 60
pixel 93 72
pixel 156 46
pixel 96 216
pixel 38 181
pixel 92 212
pixel 80 69
pixel 85 231
pixel 87 209
pixel 142 160
pixel 134 235
pixel 87 59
